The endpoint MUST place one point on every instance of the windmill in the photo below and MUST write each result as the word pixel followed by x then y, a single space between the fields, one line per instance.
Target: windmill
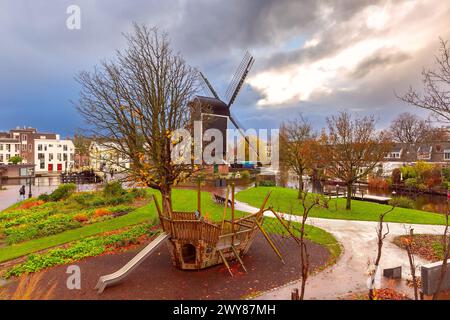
pixel 214 111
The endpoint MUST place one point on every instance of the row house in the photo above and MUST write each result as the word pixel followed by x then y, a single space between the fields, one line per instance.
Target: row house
pixel 47 152
pixel 403 154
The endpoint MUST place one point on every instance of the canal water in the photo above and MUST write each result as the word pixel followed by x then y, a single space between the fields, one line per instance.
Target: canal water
pixel 422 201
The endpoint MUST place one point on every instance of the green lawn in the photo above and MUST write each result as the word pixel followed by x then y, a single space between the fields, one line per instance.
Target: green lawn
pixel 183 200
pixel 285 200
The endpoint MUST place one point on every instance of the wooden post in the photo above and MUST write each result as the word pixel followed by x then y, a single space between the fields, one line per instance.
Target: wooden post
pixel 225 209
pixel 294 294
pixel 232 212
pixel 199 196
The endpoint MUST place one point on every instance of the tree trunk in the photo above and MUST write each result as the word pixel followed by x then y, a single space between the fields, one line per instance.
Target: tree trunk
pixel 166 195
pixel 348 206
pixel 300 186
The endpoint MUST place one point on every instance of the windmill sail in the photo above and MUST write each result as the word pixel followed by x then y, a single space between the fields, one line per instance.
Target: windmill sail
pixel 247 140
pixel 209 86
pixel 239 78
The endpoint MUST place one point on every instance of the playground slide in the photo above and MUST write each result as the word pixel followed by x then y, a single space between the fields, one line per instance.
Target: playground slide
pixel 123 272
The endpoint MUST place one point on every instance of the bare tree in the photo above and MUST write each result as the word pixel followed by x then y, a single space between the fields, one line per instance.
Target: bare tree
pixel 308 202
pixel 352 149
pixel 409 128
pixel 436 91
pixel 296 148
pixel 407 242
pixel 446 253
pixel 381 235
pixel 134 104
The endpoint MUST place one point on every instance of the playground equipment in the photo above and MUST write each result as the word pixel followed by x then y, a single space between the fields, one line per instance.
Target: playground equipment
pixel 196 243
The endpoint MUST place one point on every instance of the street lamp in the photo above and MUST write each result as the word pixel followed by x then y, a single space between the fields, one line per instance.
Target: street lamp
pixel 30 174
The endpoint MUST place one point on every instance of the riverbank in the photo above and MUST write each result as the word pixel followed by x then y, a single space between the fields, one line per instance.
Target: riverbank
pixel 285 200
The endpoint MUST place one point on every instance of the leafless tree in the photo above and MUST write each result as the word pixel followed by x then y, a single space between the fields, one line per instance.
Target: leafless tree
pixel 296 148
pixel 308 202
pixel 446 253
pixel 407 242
pixel 436 91
pixel 352 148
pixel 409 128
pixel 136 101
pixel 381 235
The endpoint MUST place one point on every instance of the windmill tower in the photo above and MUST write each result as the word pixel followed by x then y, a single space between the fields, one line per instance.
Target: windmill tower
pixel 213 112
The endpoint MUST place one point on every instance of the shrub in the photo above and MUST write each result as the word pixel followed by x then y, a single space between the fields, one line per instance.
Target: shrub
pixel 138 193
pixel 80 217
pixel 267 183
pixel 63 192
pixel 101 212
pixel 411 182
pixel 245 174
pixel 402 202
pixel 44 197
pixel 113 189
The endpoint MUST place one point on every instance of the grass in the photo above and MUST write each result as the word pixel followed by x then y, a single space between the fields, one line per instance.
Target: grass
pixel 285 200
pixel 184 200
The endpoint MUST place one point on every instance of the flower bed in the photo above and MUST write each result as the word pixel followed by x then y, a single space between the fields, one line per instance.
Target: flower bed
pixel 88 247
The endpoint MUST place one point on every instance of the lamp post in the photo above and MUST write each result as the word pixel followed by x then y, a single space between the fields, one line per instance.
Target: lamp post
pixel 30 174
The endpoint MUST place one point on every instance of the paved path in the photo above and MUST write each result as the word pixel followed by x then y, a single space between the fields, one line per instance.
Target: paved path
pixel 350 273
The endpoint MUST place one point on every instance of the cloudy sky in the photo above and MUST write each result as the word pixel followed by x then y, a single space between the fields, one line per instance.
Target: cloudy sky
pixel 313 57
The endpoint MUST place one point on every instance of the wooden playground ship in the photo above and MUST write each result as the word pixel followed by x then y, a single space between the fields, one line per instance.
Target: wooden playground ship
pixel 196 243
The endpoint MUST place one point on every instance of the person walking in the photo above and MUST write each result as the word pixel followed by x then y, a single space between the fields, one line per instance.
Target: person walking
pixel 22 192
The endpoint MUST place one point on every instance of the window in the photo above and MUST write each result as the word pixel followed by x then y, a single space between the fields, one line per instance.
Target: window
pixel 50 146
pixel 42 165
pixel 8 156
pixel 394 155
pixel 1 158
pixel 64 156
pixel 65 148
pixel 39 147
pixel 58 156
pixel 8 147
pixel 50 157
pixel 24 137
pixel 30 147
pixel 447 154
pixel 24 147
pixel 1 146
pixel 41 156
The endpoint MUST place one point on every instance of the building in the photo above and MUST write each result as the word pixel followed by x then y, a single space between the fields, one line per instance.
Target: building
pixel 104 157
pixel 47 152
pixel 402 154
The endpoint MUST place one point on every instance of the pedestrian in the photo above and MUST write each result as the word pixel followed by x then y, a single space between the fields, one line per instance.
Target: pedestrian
pixel 22 193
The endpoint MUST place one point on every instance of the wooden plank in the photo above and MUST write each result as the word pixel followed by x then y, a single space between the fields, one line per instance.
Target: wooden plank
pixel 225 262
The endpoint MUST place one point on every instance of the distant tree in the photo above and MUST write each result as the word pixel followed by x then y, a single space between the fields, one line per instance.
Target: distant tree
pixel 409 128
pixel 15 160
pixel 436 90
pixel 297 144
pixel 352 149
pixel 134 104
pixel 82 144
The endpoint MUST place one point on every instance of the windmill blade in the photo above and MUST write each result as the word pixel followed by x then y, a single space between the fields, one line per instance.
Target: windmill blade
pixel 210 87
pixel 237 76
pixel 241 75
pixel 247 140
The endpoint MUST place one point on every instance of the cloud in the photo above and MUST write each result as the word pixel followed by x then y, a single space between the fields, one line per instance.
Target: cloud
pixel 311 56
